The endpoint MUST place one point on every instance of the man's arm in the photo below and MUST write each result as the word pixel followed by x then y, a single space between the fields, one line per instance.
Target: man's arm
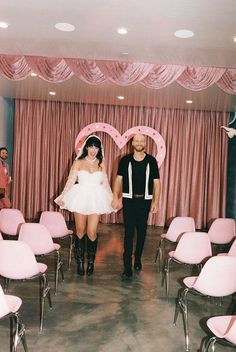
pixel 156 195
pixel 116 192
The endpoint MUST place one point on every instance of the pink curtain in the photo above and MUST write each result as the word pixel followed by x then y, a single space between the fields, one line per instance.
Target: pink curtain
pixel 121 73
pixel 193 175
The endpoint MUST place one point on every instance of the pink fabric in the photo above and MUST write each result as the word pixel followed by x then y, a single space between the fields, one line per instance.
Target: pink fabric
pixel 193 175
pixel 122 73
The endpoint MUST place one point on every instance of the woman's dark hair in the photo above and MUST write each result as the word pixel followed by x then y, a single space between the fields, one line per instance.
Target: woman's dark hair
pixel 92 141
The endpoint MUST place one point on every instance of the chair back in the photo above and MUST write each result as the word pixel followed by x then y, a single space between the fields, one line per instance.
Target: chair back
pixel 193 248
pixel 230 334
pixel 17 261
pixel 55 223
pixel 217 277
pixel 232 250
pixel 178 226
pixel 222 231
pixel 37 237
pixel 4 309
pixel 10 221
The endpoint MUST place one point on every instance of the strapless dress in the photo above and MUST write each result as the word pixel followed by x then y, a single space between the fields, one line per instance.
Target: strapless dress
pixel 89 195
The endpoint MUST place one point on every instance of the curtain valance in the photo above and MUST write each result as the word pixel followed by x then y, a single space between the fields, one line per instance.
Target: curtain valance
pixel 121 73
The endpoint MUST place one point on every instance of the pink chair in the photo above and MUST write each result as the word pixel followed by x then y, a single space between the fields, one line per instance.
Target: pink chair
pixel 17 262
pixel 178 226
pixel 232 250
pixel 216 279
pixel 223 329
pixel 9 308
pixel 10 221
pixel 193 249
pixel 56 225
pixel 222 231
pixel 40 241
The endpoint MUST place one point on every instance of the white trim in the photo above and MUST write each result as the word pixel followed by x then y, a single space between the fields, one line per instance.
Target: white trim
pixel 130 194
pixel 147 195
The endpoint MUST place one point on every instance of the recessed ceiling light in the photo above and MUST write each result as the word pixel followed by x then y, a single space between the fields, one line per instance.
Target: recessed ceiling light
pixel 65 27
pixel 188 101
pixel 184 33
pixel 122 30
pixel 52 93
pixel 120 97
pixel 33 74
pixel 125 53
pixel 4 24
pixel 234 38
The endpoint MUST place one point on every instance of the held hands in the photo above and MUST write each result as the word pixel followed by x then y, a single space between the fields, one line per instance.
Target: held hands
pixel 116 203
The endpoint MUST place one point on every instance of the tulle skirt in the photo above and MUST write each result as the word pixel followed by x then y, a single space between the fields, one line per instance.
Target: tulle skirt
pixel 88 199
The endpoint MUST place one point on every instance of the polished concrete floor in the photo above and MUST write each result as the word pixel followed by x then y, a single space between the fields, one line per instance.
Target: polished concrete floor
pixel 103 313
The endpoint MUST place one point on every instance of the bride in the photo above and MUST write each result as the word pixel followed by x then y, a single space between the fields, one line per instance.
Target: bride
pixel 90 197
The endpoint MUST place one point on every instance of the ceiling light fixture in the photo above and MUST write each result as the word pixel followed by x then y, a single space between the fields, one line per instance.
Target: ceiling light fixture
pixel 234 39
pixel 122 30
pixel 52 93
pixel 120 97
pixel 184 33
pixel 188 101
pixel 4 24
pixel 65 27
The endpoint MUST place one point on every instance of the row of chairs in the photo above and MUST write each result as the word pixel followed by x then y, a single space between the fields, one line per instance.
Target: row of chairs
pixel 12 219
pixel 221 232
pixel 18 259
pixel 217 275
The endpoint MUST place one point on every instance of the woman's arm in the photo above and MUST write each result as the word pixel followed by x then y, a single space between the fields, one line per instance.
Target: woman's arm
pixel 69 183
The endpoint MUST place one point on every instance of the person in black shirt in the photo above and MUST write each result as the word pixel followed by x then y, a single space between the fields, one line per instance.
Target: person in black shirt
pixel 138 178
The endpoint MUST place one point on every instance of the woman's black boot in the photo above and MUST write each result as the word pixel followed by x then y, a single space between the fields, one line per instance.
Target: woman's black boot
pixel 79 254
pixel 92 249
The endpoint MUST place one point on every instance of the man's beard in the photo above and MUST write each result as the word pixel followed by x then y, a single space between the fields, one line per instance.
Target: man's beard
pixel 139 148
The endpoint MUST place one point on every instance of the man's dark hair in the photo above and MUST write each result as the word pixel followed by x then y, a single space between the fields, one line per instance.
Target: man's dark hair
pixel 3 148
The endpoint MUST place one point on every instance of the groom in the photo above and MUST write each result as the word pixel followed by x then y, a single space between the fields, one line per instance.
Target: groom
pixel 138 178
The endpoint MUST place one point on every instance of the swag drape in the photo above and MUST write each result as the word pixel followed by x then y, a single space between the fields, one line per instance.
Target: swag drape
pixel 193 175
pixel 121 73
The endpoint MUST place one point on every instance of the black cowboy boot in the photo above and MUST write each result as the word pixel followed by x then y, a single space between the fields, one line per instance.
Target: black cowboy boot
pixel 79 254
pixel 92 249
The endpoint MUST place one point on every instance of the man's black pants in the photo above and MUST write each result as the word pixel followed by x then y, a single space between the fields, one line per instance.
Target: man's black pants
pixel 135 212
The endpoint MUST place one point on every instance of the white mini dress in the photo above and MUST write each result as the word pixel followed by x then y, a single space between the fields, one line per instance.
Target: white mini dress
pixel 89 195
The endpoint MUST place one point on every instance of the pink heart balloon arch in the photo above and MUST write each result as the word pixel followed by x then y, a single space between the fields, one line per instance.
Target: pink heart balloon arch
pixel 121 140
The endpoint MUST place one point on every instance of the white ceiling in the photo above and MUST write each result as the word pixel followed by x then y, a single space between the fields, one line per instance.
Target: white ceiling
pixel 151 25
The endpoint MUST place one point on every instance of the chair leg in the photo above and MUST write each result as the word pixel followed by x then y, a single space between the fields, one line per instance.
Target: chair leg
pixel 204 343
pixel 19 333
pixel 58 267
pixel 167 271
pixel 184 307
pixel 70 251
pixel 44 292
pixel 177 305
pixel 159 254
pixel 210 342
pixel 12 333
